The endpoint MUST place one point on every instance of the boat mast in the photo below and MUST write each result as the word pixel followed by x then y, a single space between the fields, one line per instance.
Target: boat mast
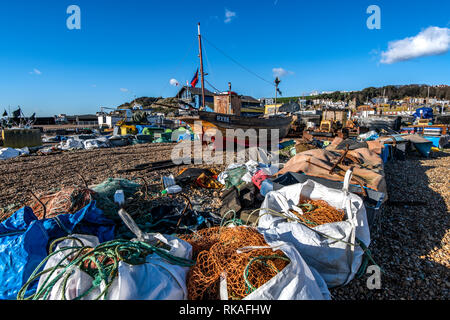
pixel 201 66
pixel 230 107
pixel 277 82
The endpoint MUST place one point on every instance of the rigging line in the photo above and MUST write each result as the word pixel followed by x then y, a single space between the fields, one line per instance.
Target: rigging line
pixel 210 71
pixel 212 86
pixel 245 68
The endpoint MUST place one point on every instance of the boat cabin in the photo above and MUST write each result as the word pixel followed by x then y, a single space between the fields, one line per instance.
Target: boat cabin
pixel 228 103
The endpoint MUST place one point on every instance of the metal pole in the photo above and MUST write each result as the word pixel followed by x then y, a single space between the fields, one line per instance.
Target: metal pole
pixel 201 65
pixel 229 93
pixel 276 96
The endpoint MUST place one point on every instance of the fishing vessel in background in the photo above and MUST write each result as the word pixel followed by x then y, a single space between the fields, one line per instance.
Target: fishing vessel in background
pixel 227 113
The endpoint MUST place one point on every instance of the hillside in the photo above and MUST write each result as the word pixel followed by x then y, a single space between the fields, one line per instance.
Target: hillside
pixel 157 105
pixel 391 91
pixel 143 101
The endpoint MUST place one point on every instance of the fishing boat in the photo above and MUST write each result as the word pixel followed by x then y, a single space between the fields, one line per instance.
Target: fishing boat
pixel 227 114
pixel 228 121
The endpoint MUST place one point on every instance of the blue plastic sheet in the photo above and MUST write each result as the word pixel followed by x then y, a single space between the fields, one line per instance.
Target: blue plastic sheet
pixel 438 142
pixel 427 113
pixel 24 242
pixel 385 153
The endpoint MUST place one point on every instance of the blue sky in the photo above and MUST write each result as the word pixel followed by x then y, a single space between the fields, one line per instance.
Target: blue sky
pixel 133 48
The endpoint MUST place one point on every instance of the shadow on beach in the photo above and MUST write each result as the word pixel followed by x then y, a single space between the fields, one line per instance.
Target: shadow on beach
pixel 408 241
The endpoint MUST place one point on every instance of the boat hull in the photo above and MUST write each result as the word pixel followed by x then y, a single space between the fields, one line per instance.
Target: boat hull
pixel 222 122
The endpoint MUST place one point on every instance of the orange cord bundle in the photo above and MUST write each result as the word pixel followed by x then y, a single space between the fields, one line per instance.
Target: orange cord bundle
pixel 67 200
pixel 317 212
pixel 215 253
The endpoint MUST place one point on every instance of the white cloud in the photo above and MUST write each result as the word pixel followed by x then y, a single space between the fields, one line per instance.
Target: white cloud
pixel 431 41
pixel 174 82
pixel 36 71
pixel 280 72
pixel 229 15
pixel 124 89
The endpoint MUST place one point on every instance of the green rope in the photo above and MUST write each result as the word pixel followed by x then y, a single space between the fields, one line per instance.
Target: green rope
pixel 365 261
pixel 250 287
pixel 130 252
pixel 309 206
pixel 234 220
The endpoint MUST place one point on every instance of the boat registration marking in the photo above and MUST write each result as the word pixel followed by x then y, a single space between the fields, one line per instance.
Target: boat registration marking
pixel 223 119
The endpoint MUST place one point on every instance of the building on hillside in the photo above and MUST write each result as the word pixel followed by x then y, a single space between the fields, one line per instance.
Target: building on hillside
pixel 380 100
pixel 329 103
pixel 366 110
pixel 336 114
pixel 443 102
pixel 109 120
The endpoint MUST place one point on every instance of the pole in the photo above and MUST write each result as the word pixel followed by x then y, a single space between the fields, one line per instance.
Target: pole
pixel 201 65
pixel 229 93
pixel 277 82
pixel 276 96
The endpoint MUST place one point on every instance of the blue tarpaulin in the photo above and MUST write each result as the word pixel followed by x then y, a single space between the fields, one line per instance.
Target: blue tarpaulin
pixel 385 153
pixel 24 242
pixel 427 113
pixel 438 142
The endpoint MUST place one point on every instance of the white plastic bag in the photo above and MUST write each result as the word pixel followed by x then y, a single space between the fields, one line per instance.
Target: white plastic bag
pixel 330 248
pixel 156 279
pixel 96 143
pixel 71 144
pixel 297 281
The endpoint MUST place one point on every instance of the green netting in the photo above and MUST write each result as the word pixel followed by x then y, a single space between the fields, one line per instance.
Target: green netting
pixel 234 176
pixel 147 131
pixel 104 194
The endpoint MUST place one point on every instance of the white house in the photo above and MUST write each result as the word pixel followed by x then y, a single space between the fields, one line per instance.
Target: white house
pixel 110 120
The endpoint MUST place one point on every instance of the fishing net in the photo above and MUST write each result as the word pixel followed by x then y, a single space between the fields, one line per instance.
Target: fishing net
pixel 67 200
pixel 318 212
pixel 215 252
pixel 7 211
pixel 104 194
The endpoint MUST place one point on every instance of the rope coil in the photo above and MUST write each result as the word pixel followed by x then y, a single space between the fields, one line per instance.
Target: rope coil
pixel 101 263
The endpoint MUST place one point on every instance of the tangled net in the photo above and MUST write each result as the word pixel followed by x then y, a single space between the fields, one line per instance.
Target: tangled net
pixel 215 252
pixel 67 200
pixel 318 212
